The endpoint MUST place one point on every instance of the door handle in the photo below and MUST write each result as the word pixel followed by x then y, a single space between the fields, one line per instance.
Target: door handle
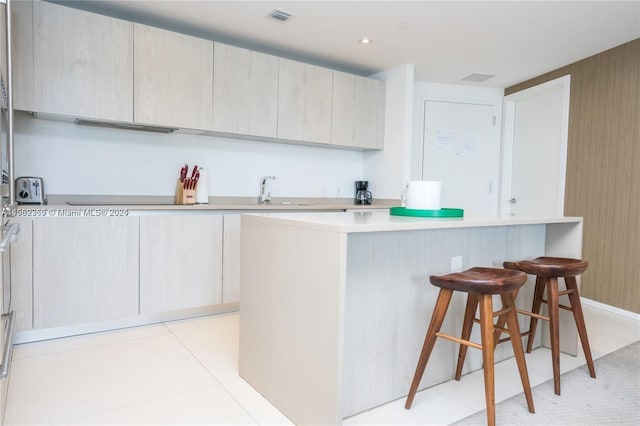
pixel 8 345
pixel 513 201
pixel 10 234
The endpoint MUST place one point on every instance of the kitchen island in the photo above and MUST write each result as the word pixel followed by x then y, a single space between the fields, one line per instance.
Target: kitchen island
pixel 335 305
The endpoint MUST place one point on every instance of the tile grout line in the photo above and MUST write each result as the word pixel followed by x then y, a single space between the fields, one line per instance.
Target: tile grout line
pixel 219 383
pixel 78 420
pixel 183 344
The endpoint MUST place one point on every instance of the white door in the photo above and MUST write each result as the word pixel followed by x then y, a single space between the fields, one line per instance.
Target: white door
pixel 535 150
pixel 461 148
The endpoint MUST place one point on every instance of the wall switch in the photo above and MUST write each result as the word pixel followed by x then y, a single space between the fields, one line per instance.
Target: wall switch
pixel 456 264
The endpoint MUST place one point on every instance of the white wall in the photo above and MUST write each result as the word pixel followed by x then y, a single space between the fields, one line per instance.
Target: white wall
pixel 388 170
pixel 86 160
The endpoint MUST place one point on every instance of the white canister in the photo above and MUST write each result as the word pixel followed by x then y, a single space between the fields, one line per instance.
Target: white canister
pixel 421 195
pixel 202 188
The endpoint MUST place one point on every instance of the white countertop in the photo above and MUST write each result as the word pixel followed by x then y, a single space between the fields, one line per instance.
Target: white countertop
pixel 166 203
pixel 380 221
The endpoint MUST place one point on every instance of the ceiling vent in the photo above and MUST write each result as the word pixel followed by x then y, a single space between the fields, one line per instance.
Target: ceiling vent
pixel 280 15
pixel 478 78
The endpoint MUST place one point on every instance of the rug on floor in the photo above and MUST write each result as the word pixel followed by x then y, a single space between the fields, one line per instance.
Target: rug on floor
pixel 613 398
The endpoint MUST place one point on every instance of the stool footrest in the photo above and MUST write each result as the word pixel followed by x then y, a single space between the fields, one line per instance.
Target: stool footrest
pixel 566 308
pixel 531 314
pixel 506 339
pixel 501 329
pixel 501 311
pixel 458 340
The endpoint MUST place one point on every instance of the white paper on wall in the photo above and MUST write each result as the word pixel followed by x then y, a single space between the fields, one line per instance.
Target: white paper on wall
pixel 470 145
pixel 444 142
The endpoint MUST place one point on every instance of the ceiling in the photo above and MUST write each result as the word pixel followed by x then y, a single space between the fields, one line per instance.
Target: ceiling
pixel 445 40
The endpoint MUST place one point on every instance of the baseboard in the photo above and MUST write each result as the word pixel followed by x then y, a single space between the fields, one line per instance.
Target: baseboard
pixel 28 336
pixel 610 308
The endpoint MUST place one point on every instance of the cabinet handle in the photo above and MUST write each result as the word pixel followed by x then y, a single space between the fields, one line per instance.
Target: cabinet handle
pixel 10 234
pixel 8 345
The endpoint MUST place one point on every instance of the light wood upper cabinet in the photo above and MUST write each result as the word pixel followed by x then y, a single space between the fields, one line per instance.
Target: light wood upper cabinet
pixel 245 91
pixel 173 81
pixel 304 102
pixel 76 63
pixel 180 262
pixel 83 63
pixel 358 111
pixel 85 269
pixel 22 55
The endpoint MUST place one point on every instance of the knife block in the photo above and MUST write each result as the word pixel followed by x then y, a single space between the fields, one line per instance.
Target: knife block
pixel 184 196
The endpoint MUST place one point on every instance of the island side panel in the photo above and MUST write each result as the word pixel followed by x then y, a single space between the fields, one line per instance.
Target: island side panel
pixel 389 302
pixel 292 298
pixel 564 240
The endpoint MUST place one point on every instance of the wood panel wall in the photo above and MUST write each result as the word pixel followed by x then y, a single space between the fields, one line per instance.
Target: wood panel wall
pixel 603 169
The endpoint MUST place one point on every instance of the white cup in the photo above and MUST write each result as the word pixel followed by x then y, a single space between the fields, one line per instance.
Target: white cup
pixel 421 195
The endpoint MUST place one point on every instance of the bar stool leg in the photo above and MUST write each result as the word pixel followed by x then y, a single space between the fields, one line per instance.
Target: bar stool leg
pixel 554 329
pixel 486 330
pixel 502 320
pixel 442 304
pixel 467 324
pixel 576 308
pixel 508 301
pixel 537 304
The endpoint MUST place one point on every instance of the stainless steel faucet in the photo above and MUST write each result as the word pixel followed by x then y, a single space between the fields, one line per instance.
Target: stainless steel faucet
pixel 264 197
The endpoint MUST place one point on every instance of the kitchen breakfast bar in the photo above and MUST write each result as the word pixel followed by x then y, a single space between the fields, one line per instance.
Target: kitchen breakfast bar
pixel 335 306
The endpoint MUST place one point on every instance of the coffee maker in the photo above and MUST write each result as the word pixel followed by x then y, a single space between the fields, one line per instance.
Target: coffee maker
pixel 363 196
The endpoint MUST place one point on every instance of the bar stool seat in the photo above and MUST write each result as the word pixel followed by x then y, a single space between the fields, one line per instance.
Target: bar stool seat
pixel 480 284
pixel 550 266
pixel 547 271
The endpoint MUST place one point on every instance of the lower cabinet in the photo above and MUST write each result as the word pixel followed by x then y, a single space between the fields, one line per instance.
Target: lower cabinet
pixel 21 272
pixel 71 271
pixel 85 269
pixel 180 262
pixel 231 259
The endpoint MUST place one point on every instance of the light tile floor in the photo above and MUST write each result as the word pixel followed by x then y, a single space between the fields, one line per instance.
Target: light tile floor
pixel 186 372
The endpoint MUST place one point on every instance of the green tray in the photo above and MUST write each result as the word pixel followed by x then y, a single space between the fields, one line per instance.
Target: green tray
pixel 402 211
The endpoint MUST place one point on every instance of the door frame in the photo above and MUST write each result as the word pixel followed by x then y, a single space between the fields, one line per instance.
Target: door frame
pixel 508 129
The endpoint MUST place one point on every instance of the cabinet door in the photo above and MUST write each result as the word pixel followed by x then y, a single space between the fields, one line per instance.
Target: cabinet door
pixel 83 63
pixel 21 290
pixel 180 262
pixel 358 111
pixel 245 91
pixel 85 269
pixel 173 80
pixel 22 54
pixel 231 259
pixel 304 102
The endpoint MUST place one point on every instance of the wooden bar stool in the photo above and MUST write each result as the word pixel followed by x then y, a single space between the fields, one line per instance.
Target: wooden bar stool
pixel 479 284
pixel 547 271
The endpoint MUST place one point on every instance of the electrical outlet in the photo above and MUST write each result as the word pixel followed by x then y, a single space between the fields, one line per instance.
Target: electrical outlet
pixel 456 264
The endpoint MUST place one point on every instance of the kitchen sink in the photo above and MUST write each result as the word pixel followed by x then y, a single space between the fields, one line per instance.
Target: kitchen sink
pixel 120 203
pixel 289 203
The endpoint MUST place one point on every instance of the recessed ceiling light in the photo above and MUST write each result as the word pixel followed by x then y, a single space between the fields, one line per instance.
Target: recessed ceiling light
pixel 365 40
